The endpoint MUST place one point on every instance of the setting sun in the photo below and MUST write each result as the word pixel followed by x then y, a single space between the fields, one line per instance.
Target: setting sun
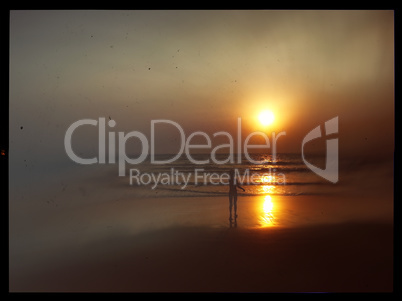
pixel 266 117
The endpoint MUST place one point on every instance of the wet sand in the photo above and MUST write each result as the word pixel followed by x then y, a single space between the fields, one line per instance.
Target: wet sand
pixel 317 249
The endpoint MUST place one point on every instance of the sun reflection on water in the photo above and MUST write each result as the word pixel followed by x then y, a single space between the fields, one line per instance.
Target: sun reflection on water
pixel 267 218
pixel 268 188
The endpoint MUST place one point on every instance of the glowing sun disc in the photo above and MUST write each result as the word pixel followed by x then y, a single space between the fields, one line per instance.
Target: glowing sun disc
pixel 266 117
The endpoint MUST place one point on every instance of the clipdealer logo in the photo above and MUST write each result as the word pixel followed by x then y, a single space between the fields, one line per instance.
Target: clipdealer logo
pixel 148 147
pixel 242 147
pixel 330 172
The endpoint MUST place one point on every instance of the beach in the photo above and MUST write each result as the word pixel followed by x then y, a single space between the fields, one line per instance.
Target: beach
pixel 200 151
pixel 87 230
pixel 309 244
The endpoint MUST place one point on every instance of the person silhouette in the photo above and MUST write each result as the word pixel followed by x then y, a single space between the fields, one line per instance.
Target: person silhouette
pixel 233 185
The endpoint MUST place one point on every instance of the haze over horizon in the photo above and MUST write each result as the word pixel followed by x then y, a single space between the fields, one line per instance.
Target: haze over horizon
pixel 317 84
pixel 203 70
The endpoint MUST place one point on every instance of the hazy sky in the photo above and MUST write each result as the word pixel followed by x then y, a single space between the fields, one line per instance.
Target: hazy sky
pixel 203 70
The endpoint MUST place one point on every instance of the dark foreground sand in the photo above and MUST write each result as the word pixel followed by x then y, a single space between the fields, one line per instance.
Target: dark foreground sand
pixel 344 257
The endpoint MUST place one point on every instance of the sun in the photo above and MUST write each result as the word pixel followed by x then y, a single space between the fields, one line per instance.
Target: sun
pixel 266 117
